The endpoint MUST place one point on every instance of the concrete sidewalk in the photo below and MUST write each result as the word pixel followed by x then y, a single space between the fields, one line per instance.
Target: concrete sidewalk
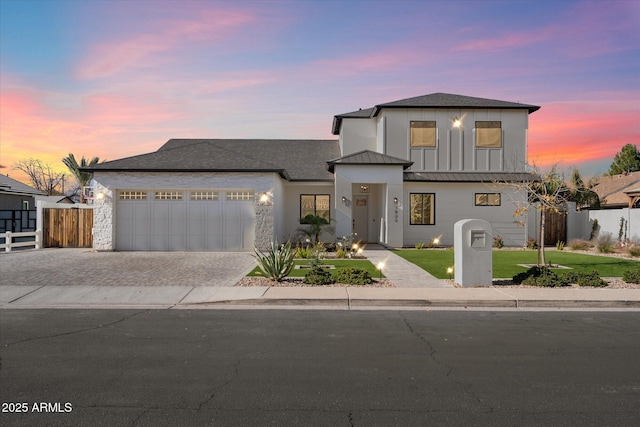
pixel 170 297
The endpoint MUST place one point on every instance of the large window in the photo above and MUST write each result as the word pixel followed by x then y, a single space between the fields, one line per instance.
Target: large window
pixel 423 134
pixel 488 199
pixel 314 204
pixel 423 208
pixel 489 134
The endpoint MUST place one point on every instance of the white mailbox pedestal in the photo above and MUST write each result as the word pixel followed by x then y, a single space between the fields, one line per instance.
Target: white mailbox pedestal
pixel 472 244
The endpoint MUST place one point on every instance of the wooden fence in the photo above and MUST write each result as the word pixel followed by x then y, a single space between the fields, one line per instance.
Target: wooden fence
pixel 67 228
pixel 555 228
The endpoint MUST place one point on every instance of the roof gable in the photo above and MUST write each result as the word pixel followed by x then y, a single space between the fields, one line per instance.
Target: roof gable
pixel 368 157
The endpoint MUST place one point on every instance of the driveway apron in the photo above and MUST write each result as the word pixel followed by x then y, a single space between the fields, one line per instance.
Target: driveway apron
pixel 64 267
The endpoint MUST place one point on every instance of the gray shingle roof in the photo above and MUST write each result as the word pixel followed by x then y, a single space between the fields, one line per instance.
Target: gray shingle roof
pixel 434 100
pixel 470 176
pixel 368 157
pixel 295 160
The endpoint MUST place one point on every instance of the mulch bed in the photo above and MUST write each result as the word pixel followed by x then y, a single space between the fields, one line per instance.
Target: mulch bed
pixel 297 282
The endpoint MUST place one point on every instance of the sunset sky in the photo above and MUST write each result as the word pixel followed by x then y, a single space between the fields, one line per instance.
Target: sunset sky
pixel 118 78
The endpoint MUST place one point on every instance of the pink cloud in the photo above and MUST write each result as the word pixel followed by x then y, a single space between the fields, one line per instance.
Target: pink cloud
pixel 574 132
pixel 507 41
pixel 142 49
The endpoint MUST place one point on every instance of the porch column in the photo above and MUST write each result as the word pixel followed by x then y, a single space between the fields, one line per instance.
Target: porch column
pixel 394 208
pixel 343 210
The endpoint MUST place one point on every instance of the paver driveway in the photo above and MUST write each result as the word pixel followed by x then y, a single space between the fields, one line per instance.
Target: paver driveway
pixel 62 267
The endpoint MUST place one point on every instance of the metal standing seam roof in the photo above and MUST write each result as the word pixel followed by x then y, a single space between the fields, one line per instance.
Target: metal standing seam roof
pixel 470 177
pixel 434 100
pixel 368 157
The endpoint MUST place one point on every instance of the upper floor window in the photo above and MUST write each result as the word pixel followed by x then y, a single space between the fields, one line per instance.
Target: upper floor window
pixel 489 134
pixel 423 134
pixel 488 199
pixel 423 208
pixel 314 204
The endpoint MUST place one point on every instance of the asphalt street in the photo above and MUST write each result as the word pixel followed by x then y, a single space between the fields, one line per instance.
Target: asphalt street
pixel 318 368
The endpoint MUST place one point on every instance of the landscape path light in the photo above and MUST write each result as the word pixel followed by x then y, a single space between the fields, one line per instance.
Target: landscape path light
pixel 380 267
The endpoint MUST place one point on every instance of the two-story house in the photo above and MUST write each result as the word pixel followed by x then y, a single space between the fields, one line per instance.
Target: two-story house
pixel 400 173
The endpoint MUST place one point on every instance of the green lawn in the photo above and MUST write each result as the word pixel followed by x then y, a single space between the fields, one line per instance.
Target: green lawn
pixel 338 263
pixel 505 262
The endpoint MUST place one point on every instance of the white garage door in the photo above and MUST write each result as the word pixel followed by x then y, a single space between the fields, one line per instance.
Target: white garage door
pixel 179 220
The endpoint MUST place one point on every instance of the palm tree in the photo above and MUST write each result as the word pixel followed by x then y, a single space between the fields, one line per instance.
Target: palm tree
pixel 83 178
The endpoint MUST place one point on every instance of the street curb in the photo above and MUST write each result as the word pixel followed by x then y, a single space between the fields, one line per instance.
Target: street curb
pixel 422 303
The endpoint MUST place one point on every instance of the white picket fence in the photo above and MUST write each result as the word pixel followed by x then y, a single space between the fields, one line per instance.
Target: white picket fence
pixel 9 244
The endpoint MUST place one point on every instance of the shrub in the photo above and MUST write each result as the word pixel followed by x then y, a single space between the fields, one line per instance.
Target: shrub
pixel 353 276
pixel 277 262
pixel 579 245
pixel 318 275
pixel 532 243
pixel 586 279
pixel 341 253
pixel 318 250
pixel 419 245
pixel 605 243
pixel 304 252
pixel 540 276
pixel 498 242
pixel 560 245
pixel 631 276
pixel 633 250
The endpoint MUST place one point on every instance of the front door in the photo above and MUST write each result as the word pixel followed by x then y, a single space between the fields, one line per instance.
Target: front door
pixel 361 218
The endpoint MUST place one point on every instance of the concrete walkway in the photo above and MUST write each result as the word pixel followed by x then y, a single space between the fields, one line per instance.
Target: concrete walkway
pixel 400 271
pixel 166 297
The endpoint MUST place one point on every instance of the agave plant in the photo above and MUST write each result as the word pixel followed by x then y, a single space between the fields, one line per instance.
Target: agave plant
pixel 276 262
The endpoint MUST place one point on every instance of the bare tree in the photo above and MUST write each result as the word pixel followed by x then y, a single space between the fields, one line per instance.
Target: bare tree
pixel 546 193
pixel 42 176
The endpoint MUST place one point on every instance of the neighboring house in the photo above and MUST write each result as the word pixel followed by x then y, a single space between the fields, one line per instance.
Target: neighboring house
pixel 65 200
pixel 17 206
pixel 400 173
pixel 619 191
pixel 14 195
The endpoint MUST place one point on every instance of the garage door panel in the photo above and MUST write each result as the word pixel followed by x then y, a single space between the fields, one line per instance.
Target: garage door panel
pixel 215 224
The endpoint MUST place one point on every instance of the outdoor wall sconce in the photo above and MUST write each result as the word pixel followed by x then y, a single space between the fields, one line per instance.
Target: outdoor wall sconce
pixel 100 196
pixel 265 198
pixel 395 201
pixel 364 188
pixel 457 122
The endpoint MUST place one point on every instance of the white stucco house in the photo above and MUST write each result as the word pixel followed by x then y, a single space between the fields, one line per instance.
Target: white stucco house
pixel 399 173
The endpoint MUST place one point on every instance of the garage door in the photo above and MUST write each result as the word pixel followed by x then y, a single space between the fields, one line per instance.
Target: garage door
pixel 179 220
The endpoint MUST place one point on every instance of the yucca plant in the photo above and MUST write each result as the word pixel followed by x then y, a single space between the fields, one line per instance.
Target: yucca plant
pixel 276 262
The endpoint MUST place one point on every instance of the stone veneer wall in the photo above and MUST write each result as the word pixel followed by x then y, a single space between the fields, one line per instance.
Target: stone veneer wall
pixel 104 226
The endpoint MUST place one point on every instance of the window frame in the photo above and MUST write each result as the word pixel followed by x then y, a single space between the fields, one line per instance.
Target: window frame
pixel 475 199
pixel 433 208
pixel 432 125
pixel 315 206
pixel 488 124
